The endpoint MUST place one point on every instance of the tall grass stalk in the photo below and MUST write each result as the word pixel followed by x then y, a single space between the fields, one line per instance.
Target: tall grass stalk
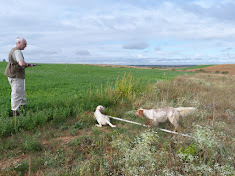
pixel 15 124
pixel 122 90
pixel 124 87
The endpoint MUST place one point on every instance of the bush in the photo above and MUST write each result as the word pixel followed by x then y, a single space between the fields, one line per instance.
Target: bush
pixel 138 157
pixel 32 144
pixel 201 71
pixel 225 72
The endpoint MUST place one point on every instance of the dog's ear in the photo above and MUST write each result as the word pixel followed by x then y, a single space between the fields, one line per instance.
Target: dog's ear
pixel 100 108
pixel 141 112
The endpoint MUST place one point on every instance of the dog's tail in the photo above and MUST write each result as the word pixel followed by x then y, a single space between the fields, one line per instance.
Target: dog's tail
pixel 184 111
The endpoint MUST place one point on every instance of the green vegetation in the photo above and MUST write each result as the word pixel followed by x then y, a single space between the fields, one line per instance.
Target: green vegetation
pixel 58 136
pixel 194 67
pixel 57 91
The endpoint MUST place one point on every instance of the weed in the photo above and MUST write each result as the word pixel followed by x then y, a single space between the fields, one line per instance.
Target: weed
pixel 81 141
pixel 32 144
pixel 96 131
pixel 124 87
pixel 55 159
pixel 133 160
pixel 189 153
pixel 22 167
pixel 80 125
pixel 205 137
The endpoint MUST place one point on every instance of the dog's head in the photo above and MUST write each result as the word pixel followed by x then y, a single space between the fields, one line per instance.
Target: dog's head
pixel 100 108
pixel 139 112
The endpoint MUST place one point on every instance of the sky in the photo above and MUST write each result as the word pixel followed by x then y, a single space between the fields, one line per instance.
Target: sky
pixel 120 32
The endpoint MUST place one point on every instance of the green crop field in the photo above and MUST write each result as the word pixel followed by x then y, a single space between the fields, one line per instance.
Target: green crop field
pixel 194 67
pixel 55 91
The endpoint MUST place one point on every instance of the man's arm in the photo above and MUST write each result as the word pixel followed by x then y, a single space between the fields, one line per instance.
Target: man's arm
pixel 18 56
pixel 24 64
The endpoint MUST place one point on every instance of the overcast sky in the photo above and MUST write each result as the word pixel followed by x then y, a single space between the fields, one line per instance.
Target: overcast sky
pixel 125 32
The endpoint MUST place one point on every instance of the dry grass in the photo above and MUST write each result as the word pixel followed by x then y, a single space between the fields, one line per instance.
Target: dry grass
pixel 211 92
pixel 211 127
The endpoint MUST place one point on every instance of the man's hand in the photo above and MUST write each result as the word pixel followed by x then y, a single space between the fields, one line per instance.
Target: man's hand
pixel 24 64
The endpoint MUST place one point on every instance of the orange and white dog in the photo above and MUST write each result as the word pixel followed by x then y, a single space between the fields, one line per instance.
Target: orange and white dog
pixel 101 118
pixel 164 114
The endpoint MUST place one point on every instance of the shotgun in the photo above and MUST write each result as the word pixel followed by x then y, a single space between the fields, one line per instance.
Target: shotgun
pixel 35 65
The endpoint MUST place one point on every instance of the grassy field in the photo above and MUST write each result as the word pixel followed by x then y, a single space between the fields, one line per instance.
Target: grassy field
pixel 194 67
pixel 55 92
pixel 58 136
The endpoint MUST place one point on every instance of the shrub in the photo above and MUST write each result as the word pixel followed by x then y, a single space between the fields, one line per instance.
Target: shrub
pixel 138 157
pixel 188 153
pixel 225 72
pixel 205 137
pixel 55 159
pixel 22 167
pixel 32 144
pixel 201 71
pixel 80 125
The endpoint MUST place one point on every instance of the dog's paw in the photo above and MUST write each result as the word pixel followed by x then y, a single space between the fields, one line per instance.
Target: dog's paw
pixel 98 125
pixel 114 126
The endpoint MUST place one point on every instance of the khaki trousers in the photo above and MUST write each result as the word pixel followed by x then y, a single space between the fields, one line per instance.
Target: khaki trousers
pixel 17 93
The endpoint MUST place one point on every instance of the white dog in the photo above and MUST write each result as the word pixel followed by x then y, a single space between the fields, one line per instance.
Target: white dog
pixel 164 114
pixel 102 119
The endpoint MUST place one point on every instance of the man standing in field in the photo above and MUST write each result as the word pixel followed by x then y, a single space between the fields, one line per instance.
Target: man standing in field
pixel 15 71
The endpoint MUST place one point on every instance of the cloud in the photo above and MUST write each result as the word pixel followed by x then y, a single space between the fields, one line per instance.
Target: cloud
pixel 32 49
pixel 83 53
pixel 113 31
pixel 157 49
pixel 136 45
pixel 227 49
pixel 220 10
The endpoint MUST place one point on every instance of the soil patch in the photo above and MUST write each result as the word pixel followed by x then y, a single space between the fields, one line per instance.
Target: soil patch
pixel 138 67
pixel 230 68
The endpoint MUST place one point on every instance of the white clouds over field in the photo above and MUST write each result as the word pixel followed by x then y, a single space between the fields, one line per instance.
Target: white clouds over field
pixel 121 31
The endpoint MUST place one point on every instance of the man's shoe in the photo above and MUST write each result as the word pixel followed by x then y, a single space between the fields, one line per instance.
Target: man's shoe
pixel 16 113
